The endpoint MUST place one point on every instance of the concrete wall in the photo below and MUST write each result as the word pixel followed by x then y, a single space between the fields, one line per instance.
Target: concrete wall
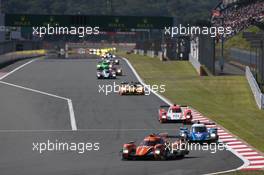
pixel 195 63
pixel 259 97
pixel 11 46
pixel 150 53
pixel 9 58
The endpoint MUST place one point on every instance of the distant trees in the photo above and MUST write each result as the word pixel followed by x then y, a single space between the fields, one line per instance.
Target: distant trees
pixel 184 11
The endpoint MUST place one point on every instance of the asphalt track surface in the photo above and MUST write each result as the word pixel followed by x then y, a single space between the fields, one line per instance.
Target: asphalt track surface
pixel 111 120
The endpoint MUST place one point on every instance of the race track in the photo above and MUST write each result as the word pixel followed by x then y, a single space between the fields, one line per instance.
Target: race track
pixel 28 115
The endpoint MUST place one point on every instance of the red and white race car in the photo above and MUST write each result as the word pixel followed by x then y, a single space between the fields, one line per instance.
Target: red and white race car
pixel 175 113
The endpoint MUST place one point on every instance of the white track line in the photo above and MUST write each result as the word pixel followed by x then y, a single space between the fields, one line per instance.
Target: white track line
pixel 16 69
pixel 70 106
pixel 33 90
pixel 72 116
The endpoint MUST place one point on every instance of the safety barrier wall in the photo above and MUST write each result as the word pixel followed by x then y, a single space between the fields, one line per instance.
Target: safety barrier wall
pixel 141 52
pixel 160 55
pixel 9 58
pixel 11 46
pixel 150 53
pixel 196 64
pixel 259 97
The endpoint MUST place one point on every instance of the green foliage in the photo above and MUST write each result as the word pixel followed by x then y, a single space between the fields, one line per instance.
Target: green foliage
pixel 184 11
pixel 239 42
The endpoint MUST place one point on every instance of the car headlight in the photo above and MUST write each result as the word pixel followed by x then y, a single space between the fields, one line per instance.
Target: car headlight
pixel 114 75
pixel 183 134
pixel 110 65
pixel 125 151
pixel 213 135
pixel 157 151
pixel 118 70
pixel 164 117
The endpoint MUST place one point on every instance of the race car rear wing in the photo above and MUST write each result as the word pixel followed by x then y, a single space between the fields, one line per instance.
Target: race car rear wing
pixel 205 123
pixel 164 106
pixel 135 83
pixel 124 82
pixel 164 134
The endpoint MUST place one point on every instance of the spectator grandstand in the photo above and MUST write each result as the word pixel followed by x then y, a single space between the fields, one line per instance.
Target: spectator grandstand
pixel 239 15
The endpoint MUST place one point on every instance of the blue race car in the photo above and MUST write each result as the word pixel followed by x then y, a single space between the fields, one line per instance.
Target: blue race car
pixel 106 74
pixel 199 133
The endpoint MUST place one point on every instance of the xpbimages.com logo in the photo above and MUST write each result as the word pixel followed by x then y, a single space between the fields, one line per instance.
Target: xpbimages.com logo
pixel 60 30
pixel 130 88
pixel 182 145
pixel 56 145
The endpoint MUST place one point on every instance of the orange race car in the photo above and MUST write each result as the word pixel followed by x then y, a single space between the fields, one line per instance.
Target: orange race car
pixel 155 146
pixel 133 88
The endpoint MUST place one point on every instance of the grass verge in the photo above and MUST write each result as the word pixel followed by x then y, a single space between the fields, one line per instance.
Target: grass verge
pixel 225 99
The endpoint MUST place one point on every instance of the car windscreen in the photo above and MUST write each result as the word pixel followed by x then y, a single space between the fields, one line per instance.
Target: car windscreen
pixel 199 129
pixel 176 110
pixel 151 143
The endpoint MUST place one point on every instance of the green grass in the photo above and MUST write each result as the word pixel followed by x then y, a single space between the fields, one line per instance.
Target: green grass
pixel 225 99
pixel 238 41
pixel 235 42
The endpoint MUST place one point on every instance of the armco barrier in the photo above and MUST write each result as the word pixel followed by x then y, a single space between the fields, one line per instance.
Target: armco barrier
pixel 259 97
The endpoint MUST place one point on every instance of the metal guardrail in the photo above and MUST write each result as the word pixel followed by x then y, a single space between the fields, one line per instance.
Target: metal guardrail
pixel 259 97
